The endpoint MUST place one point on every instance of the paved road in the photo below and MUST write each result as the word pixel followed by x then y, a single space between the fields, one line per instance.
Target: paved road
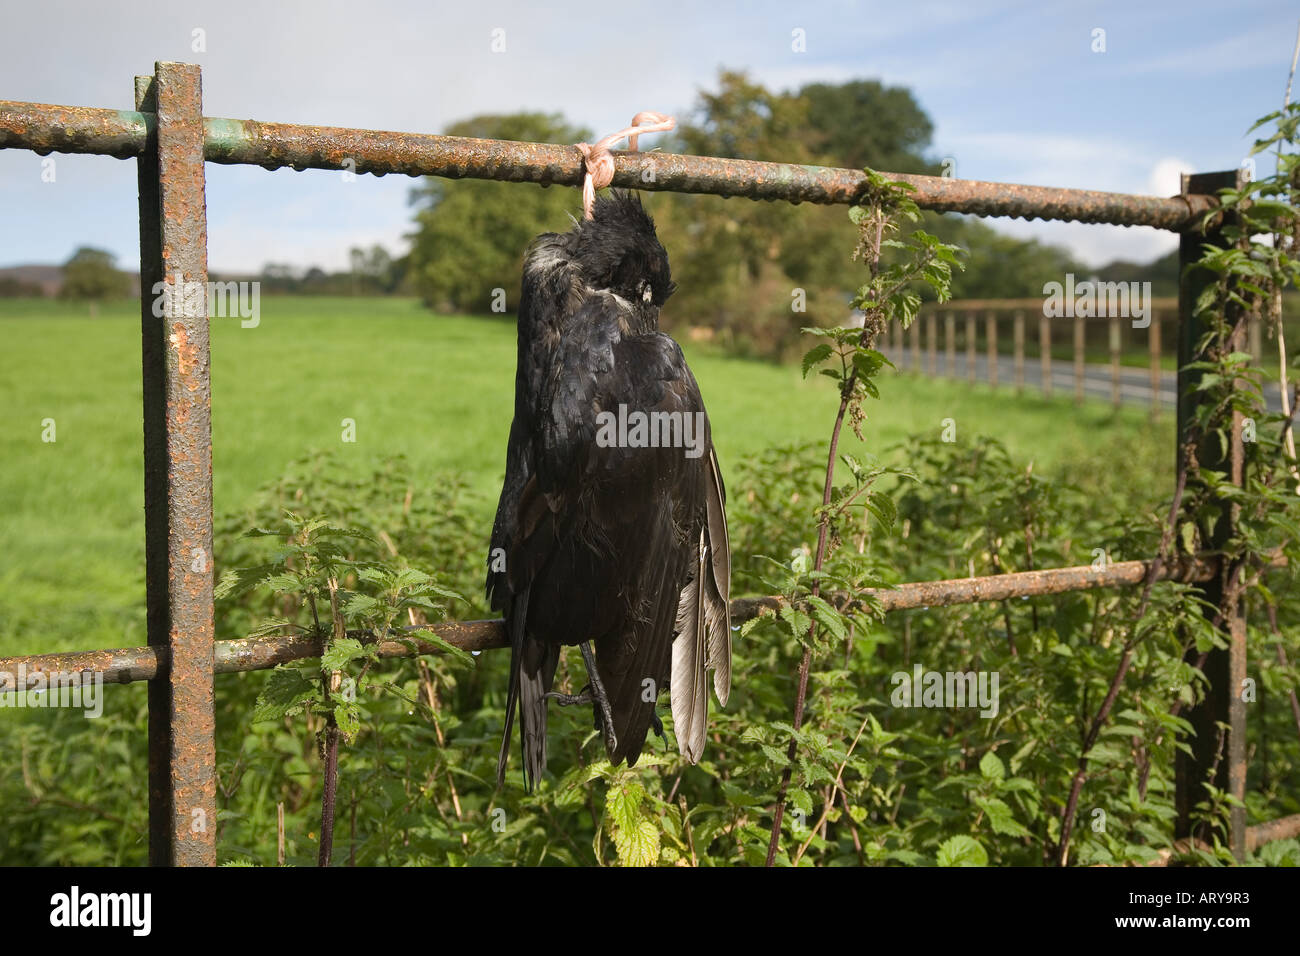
pixel 1135 383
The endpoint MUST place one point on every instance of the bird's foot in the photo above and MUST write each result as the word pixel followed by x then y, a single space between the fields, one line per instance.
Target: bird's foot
pixel 568 700
pixel 597 690
pixel 657 726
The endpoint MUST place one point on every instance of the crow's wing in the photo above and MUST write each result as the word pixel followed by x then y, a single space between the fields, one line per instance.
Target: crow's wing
pixel 547 291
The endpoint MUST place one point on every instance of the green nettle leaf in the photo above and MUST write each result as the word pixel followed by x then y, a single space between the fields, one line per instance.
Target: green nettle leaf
pixel 816 356
pixel 285 695
pixel 991 767
pixel 798 622
pixel 347 714
pixel 340 653
pixel 828 617
pixel 885 510
pixel 636 836
pixel 801 800
pixel 962 851
pixel 1000 817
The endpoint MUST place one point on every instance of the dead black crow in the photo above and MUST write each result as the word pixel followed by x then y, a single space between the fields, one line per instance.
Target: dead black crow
pixel 611 531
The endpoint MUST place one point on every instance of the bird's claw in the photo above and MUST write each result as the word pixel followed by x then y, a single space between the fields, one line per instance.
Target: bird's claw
pixel 568 700
pixel 604 720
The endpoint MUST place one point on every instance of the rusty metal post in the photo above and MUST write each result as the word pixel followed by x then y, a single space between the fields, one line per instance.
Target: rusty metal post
pixel 178 469
pixel 1018 335
pixel 970 347
pixel 1115 395
pixel 1080 350
pixel 950 344
pixel 991 335
pixel 1045 354
pixel 1225 670
pixel 1153 342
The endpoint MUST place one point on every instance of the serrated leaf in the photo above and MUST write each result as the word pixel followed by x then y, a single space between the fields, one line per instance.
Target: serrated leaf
pixel 991 767
pixel 636 837
pixel 339 653
pixel 814 356
pixel 1000 817
pixel 285 694
pixel 962 851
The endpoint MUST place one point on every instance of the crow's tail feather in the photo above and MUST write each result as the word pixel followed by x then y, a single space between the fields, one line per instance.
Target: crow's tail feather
pixel 516 624
pixel 532 673
pixel 535 680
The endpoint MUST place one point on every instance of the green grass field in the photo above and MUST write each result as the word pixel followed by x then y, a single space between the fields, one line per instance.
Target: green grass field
pixel 438 389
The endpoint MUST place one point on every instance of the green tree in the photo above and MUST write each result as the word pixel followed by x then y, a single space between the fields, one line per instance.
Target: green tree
pixel 862 123
pixel 470 236
pixel 1002 266
pixel 92 275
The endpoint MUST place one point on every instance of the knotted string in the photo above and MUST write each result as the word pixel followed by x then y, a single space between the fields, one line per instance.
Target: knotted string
pixel 600 162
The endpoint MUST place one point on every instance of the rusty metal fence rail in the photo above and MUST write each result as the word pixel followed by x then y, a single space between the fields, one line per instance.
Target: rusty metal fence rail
pixel 170 139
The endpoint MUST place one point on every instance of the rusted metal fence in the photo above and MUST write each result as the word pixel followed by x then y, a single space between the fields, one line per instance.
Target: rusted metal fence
pixel 171 140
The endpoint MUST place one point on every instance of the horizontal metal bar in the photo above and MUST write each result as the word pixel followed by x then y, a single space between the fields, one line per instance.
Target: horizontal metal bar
pixel 258 653
pixel 1255 837
pixel 75 129
pixel 273 145
pixel 1281 829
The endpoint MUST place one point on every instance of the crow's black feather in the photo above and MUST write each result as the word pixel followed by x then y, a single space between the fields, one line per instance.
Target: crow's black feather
pixel 603 543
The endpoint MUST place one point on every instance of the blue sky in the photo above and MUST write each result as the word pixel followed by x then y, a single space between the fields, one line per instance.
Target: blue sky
pixel 1015 91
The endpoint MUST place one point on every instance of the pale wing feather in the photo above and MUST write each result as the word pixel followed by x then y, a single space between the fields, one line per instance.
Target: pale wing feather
pixel 690 694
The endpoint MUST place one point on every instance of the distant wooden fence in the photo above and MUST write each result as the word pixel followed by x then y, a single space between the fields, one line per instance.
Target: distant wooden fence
pixel 971 328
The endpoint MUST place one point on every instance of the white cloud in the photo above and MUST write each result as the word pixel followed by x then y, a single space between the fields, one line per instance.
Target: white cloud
pixel 1166 176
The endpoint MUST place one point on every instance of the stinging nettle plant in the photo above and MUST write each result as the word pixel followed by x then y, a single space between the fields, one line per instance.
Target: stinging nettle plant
pixel 853 363
pixel 311 572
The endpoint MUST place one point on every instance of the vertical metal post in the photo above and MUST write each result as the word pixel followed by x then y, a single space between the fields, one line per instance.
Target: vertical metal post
pixel 970 347
pixel 1018 334
pixel 991 335
pixel 178 469
pixel 1225 670
pixel 1080 350
pixel 1045 354
pixel 915 330
pixel 1114 361
pixel 1153 342
pixel 950 344
pixel 932 343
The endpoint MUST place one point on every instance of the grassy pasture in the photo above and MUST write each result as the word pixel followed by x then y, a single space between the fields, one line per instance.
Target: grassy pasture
pixel 435 388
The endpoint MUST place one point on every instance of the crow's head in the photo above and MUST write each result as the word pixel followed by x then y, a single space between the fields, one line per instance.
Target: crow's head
pixel 617 250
